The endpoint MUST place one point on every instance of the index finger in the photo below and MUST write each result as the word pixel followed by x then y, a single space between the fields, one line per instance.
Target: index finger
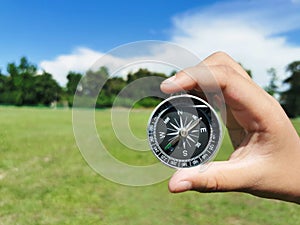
pixel 249 103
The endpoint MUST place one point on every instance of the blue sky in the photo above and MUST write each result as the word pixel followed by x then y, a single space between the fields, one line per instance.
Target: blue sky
pixel 260 34
pixel 43 29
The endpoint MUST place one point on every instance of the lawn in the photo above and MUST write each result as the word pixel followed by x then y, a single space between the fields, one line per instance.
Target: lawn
pixel 45 180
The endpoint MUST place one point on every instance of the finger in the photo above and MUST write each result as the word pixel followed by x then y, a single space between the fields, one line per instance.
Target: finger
pixel 216 59
pixel 220 176
pixel 179 82
pixel 221 58
pixel 211 79
pixel 235 130
pixel 241 95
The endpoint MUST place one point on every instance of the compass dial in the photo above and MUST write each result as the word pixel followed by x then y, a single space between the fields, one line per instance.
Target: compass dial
pixel 184 131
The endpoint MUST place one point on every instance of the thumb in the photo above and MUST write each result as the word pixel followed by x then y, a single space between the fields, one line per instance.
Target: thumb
pixel 218 176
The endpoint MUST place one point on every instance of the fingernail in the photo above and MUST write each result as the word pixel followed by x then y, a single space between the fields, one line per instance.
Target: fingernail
pixel 183 186
pixel 169 80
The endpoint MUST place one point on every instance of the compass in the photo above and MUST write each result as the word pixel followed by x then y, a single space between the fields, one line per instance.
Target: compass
pixel 184 131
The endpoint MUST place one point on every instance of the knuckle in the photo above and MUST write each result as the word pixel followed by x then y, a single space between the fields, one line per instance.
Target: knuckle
pixel 225 69
pixel 211 185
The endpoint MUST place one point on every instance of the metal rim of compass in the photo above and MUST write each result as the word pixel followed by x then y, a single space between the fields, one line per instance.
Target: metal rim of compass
pixel 214 142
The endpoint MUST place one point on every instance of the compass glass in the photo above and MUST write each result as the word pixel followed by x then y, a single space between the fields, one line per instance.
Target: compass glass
pixel 184 131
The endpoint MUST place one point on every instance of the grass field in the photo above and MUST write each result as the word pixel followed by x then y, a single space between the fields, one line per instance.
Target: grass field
pixel 44 180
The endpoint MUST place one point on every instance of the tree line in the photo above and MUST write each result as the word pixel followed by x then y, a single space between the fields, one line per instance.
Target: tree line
pixel 24 85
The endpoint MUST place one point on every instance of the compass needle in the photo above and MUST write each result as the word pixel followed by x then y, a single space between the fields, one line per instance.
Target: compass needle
pixel 194 124
pixel 189 124
pixel 172 142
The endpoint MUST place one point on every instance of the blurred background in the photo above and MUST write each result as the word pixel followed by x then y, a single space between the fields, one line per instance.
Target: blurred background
pixel 48 46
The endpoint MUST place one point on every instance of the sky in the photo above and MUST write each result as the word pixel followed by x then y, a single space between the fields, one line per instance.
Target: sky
pixel 63 35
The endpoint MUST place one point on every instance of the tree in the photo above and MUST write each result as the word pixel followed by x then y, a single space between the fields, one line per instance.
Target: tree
pixel 290 99
pixel 73 81
pixel 272 88
pixel 146 88
pixel 90 86
pixel 3 80
pixel 23 86
pixel 72 86
pixel 110 90
pixel 93 81
pixel 21 82
pixel 3 88
pixel 47 90
pixel 114 85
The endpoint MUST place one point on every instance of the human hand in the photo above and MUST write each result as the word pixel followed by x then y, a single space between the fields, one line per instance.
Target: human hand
pixel 266 158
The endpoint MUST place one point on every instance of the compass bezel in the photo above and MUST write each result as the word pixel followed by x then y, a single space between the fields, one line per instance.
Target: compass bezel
pixel 215 132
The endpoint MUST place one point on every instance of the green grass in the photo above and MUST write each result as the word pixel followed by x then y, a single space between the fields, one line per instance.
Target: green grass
pixel 44 180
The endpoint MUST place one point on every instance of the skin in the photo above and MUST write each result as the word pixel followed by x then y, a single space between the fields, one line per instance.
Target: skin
pixel 266 158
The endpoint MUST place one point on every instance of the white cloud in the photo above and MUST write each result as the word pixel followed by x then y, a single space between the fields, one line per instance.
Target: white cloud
pixel 250 31
pixel 79 60
pixel 154 56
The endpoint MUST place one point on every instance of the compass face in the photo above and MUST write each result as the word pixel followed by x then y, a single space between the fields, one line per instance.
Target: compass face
pixel 184 131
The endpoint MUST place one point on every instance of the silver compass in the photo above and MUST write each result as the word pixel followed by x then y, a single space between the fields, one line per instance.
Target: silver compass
pixel 184 131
